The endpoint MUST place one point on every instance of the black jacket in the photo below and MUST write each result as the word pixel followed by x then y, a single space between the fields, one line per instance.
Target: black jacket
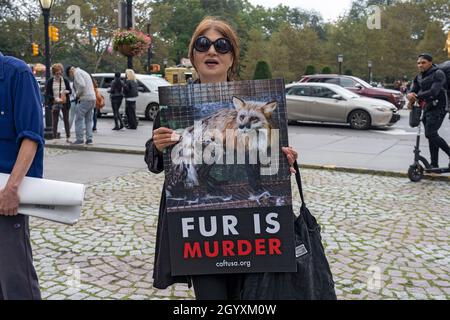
pixel 430 86
pixel 116 90
pixel 130 89
pixel 49 97
pixel 162 270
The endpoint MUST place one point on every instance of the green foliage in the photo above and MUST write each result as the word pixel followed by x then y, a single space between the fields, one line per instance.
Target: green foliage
pixel 288 39
pixel 138 41
pixel 262 71
pixel 310 69
pixel 327 70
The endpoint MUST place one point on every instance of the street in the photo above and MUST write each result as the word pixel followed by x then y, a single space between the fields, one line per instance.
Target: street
pixel 386 149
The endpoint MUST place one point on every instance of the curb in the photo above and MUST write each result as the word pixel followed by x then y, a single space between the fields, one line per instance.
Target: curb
pixel 94 149
pixel 384 173
pixel 373 172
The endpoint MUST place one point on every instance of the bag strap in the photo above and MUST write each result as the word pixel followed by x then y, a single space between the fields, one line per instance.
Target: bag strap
pixel 298 178
pixel 60 87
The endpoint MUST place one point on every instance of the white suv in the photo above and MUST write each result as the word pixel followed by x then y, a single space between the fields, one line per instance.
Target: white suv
pixel 147 104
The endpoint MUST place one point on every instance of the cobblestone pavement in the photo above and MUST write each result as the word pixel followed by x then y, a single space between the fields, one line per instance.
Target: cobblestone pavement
pixel 385 238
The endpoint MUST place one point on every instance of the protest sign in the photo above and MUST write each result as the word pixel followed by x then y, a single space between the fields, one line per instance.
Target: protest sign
pixel 228 191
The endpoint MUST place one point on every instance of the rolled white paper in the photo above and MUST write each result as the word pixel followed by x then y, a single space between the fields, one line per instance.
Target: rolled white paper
pixel 48 192
pixel 52 200
pixel 62 214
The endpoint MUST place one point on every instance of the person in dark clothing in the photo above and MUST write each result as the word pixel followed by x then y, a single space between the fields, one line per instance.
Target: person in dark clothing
pixel 224 67
pixel 429 86
pixel 116 96
pixel 57 94
pixel 131 93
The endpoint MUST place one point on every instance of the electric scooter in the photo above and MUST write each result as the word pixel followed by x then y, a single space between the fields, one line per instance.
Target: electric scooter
pixel 421 165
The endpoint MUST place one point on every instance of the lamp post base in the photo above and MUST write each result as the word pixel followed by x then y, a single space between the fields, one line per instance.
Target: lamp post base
pixel 48 130
pixel 48 134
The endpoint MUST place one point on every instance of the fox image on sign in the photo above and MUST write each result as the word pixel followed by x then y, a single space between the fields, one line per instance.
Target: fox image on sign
pixel 245 129
pixel 227 188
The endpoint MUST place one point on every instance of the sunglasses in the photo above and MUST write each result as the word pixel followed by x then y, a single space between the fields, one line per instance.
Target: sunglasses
pixel 222 45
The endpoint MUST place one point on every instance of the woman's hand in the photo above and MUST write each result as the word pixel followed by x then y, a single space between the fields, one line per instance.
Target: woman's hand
pixel 164 137
pixel 412 97
pixel 292 156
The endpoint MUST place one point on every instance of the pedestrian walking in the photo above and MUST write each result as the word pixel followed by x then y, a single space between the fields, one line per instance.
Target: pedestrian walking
pixel 57 96
pixel 116 96
pixel 85 96
pixel 73 105
pixel 99 104
pixel 21 153
pixel 429 86
pixel 201 50
pixel 131 94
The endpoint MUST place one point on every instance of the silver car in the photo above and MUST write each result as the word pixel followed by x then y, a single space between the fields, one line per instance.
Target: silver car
pixel 330 103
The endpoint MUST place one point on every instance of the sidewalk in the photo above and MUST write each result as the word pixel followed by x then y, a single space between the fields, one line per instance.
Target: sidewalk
pixel 384 237
pixel 369 152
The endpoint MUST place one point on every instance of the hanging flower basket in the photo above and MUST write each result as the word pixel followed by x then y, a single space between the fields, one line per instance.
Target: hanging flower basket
pixel 125 49
pixel 131 42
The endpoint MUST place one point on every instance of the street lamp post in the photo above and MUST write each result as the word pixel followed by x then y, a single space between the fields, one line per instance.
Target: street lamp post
pixel 130 26
pixel 369 64
pixel 46 6
pixel 165 65
pixel 149 52
pixel 340 60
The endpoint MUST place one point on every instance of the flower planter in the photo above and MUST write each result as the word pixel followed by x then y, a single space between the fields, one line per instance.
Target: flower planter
pixel 131 42
pixel 126 50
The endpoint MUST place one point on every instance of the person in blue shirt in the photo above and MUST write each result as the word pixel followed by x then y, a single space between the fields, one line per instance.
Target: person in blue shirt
pixel 21 154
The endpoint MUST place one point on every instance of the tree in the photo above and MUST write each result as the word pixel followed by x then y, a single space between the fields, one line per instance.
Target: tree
pixel 288 39
pixel 278 57
pixel 5 8
pixel 433 41
pixel 310 69
pixel 326 70
pixel 255 52
pixel 262 71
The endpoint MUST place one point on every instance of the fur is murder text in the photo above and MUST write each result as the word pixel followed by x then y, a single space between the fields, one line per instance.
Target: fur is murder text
pixel 226 240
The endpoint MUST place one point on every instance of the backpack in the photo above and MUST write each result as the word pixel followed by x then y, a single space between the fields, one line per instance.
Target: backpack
pixel 445 67
pixel 99 100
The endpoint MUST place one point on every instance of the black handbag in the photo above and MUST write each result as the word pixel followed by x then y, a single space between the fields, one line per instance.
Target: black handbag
pixel 313 279
pixel 414 116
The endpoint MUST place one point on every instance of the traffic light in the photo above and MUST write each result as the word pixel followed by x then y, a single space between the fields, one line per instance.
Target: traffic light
pixel 35 49
pixel 50 32
pixel 53 33
pixel 94 32
pixel 448 43
pixel 155 68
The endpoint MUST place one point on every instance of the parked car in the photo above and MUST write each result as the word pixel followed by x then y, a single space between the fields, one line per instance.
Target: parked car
pixel 330 103
pixel 359 86
pixel 147 104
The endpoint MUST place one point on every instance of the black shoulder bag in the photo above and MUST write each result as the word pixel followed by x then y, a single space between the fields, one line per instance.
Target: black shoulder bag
pixel 313 279
pixel 415 115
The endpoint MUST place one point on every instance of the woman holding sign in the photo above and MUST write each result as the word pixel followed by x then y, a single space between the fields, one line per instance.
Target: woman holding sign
pixel 214 53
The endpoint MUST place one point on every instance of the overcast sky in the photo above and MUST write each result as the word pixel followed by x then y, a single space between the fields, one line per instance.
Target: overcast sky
pixel 329 9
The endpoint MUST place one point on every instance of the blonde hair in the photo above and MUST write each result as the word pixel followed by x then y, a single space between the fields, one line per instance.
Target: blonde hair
pixel 226 31
pixel 130 74
pixel 56 67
